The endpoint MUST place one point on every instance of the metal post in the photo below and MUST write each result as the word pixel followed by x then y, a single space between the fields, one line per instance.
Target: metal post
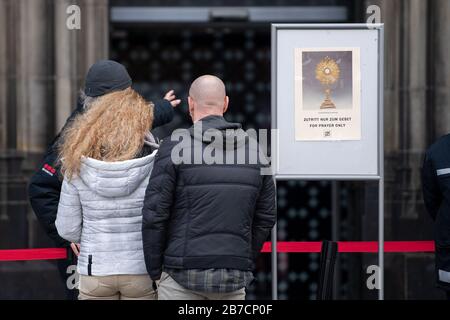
pixel 381 237
pixel 274 263
pixel 328 255
pixel 274 158
pixel 335 232
pixel 381 162
pixel 274 251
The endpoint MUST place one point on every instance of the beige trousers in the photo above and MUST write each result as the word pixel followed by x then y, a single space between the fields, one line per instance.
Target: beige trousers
pixel 169 289
pixel 116 287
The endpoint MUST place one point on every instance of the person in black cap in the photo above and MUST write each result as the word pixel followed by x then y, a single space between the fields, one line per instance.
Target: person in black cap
pixel 105 76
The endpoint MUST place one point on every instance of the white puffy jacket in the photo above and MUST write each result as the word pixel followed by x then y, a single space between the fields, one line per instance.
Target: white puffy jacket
pixel 101 209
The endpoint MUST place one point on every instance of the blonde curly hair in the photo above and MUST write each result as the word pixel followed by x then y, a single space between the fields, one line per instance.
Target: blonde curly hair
pixel 111 129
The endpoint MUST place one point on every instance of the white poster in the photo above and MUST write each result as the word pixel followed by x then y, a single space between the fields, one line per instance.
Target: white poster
pixel 327 94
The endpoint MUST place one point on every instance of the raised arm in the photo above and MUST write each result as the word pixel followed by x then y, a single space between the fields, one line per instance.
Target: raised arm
pixel 164 109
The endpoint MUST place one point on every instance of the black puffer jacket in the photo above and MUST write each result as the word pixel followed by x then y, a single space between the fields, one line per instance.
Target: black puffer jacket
pixel 436 194
pixel 206 215
pixel 45 185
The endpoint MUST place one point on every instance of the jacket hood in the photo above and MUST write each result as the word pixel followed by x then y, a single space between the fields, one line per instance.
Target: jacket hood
pixel 115 179
pixel 232 133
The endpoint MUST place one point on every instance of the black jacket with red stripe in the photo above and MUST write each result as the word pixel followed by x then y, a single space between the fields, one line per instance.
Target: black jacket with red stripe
pixel 45 185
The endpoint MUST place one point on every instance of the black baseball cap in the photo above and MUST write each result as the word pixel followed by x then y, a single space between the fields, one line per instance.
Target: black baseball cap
pixel 106 76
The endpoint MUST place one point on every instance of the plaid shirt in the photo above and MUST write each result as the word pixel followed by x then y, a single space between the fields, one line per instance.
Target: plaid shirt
pixel 211 280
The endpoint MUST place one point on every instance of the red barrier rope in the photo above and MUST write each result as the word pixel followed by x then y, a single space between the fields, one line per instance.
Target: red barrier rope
pixel 354 247
pixel 283 247
pixel 33 254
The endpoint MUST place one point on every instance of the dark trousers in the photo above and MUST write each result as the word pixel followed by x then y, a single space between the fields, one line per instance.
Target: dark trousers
pixel 71 294
pixel 447 294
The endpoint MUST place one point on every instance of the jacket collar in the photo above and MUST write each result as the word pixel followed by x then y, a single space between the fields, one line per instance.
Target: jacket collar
pixel 215 122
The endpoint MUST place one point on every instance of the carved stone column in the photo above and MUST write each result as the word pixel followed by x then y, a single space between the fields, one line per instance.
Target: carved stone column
pixel 440 47
pixel 34 75
pixel 76 50
pixel 3 75
pixel 96 32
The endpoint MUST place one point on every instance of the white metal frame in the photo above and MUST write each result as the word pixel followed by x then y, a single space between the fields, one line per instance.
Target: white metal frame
pixel 379 177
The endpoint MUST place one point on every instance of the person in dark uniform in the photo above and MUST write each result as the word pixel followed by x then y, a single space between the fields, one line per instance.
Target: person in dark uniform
pixel 44 189
pixel 436 195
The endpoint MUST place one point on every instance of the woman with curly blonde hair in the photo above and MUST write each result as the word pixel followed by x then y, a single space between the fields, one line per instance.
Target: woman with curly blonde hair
pixel 112 129
pixel 106 158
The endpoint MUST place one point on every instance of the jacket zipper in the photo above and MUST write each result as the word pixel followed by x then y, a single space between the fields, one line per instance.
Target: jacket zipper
pixel 90 265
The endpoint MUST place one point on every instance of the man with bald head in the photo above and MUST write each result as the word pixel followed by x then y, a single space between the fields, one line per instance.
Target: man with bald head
pixel 208 208
pixel 207 97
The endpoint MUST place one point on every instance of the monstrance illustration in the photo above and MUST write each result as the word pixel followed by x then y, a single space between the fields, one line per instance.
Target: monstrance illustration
pixel 327 72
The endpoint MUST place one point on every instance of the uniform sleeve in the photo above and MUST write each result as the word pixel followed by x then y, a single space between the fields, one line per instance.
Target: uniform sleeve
pixel 45 186
pixel 43 191
pixel 432 195
pixel 162 113
pixel 156 210
pixel 265 214
pixel 69 218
